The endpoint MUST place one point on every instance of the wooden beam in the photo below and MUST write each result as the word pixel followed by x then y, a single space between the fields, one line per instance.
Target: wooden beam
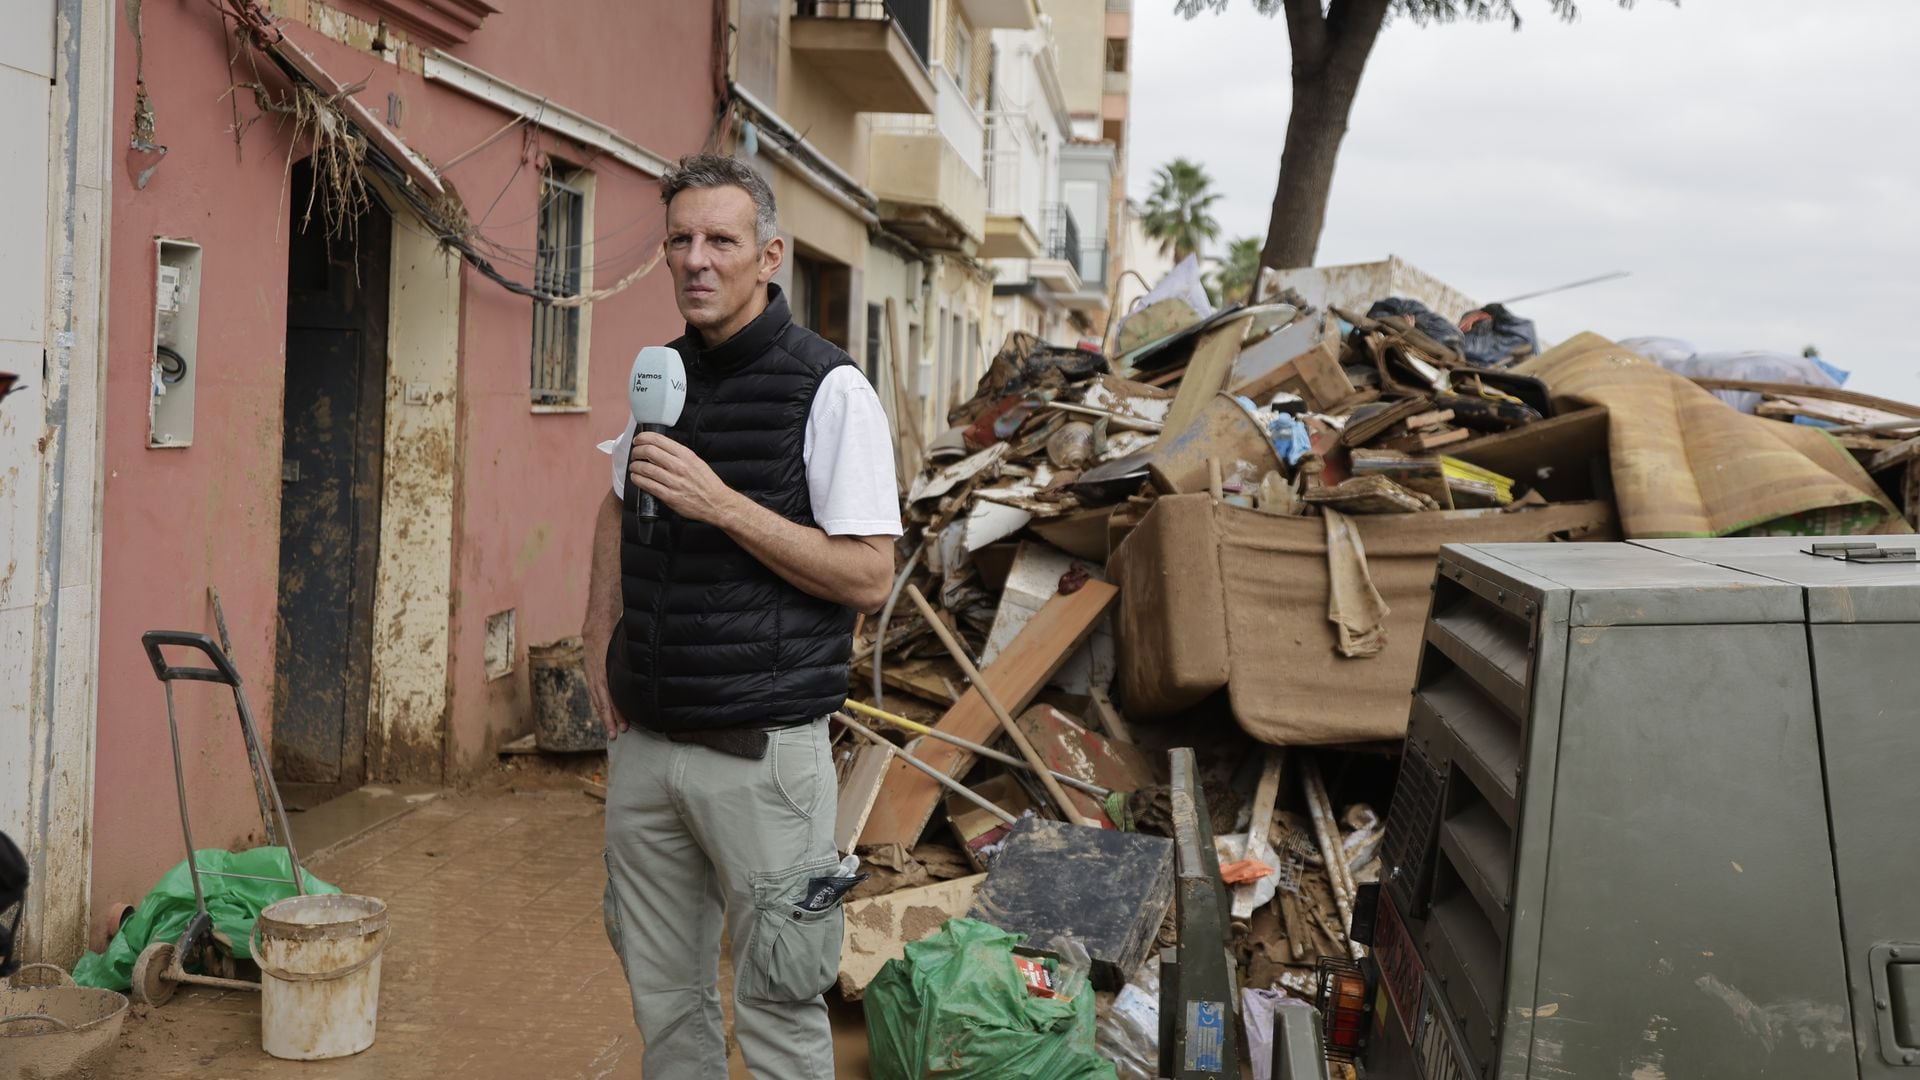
pixel 858 794
pixel 1828 393
pixel 1063 623
pixel 1896 455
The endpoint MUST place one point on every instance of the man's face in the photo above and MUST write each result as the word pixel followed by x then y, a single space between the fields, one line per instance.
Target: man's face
pixel 718 268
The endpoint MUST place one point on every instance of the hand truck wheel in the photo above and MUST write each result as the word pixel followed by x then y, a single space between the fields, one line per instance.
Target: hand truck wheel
pixel 152 982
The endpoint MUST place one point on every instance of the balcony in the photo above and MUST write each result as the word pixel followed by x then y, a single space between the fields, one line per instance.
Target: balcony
pixel 1117 82
pixel 1119 7
pixel 1002 14
pixel 928 189
pixel 872 51
pixel 1058 267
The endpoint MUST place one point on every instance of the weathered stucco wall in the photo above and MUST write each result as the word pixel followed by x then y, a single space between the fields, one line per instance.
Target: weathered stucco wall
pixel 488 505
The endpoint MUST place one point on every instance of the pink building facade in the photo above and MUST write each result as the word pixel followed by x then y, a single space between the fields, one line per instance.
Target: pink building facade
pixel 382 457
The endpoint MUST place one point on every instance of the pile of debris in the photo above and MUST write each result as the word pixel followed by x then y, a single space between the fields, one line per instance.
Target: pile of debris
pixel 1220 535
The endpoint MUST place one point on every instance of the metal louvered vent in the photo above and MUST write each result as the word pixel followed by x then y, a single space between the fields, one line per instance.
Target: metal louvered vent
pixel 1412 820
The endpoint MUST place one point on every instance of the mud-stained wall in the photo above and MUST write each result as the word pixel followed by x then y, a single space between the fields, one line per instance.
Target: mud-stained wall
pixel 411 602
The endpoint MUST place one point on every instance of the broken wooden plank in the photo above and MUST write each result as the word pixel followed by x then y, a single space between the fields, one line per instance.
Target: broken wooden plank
pixel 1363 430
pixel 1213 357
pixel 908 798
pixel 1898 455
pixel 880 927
pixel 521 745
pixel 1108 717
pixel 1265 794
pixel 1422 442
pixel 1828 393
pixel 1315 375
pixel 911 677
pixel 858 794
pixel 1429 419
pixel 594 788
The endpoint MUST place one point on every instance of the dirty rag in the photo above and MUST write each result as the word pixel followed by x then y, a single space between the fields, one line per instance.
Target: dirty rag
pixel 1354 606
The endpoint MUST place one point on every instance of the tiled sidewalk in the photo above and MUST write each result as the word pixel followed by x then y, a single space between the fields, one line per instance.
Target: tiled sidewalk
pixel 498 967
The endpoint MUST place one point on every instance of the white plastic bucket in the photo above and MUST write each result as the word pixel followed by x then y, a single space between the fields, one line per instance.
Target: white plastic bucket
pixel 319 960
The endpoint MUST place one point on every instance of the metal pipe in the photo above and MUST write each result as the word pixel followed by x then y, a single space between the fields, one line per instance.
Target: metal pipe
pixel 1000 713
pixel 821 162
pixel 990 754
pixel 886 616
pixel 946 781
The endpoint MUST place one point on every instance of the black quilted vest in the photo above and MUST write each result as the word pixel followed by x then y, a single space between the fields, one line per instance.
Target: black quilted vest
pixel 709 637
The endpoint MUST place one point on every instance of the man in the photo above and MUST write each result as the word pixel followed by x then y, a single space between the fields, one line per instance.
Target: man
pixel 726 635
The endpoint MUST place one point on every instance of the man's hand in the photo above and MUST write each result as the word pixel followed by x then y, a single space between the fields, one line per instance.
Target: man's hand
pixel 602 698
pixel 675 475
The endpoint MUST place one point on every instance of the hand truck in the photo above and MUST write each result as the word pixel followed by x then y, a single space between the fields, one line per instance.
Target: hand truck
pixel 162 965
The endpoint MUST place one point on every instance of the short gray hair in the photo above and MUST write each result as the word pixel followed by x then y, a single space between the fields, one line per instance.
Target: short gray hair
pixel 725 170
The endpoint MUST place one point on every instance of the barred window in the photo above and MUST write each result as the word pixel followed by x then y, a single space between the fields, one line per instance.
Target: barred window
pixel 558 337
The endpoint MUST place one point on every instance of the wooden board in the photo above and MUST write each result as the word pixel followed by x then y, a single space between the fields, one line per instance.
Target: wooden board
pixel 911 677
pixel 1069 748
pixel 1160 319
pixel 908 796
pixel 1265 794
pixel 1206 373
pixel 858 794
pixel 1360 432
pixel 879 927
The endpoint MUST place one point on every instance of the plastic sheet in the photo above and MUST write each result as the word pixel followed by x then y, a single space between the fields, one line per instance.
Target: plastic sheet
pixel 234 904
pixel 957 1008
pixel 1127 1032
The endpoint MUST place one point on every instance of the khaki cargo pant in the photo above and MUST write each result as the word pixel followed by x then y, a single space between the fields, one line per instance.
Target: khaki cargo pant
pixel 691 830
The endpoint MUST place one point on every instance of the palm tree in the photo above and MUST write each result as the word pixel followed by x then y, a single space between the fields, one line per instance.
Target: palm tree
pixel 1178 210
pixel 1233 280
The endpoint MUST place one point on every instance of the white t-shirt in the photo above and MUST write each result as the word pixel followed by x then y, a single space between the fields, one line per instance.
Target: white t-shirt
pixel 848 450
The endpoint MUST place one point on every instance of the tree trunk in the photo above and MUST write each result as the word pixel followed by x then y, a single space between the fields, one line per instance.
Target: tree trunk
pixel 1326 77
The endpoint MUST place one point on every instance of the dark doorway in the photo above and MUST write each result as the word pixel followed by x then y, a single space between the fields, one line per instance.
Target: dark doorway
pixel 335 409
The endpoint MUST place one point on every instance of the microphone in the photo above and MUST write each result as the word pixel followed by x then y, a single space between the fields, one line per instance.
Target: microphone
pixel 656 390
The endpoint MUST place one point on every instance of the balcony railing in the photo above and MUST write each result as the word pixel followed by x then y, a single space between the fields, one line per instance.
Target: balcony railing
pixel 914 18
pixel 1062 233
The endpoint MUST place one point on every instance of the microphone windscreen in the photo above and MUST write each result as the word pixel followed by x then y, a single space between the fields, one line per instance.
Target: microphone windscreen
pixel 657 388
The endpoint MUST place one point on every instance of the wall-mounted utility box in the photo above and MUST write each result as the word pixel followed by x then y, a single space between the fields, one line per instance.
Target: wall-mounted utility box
pixel 176 343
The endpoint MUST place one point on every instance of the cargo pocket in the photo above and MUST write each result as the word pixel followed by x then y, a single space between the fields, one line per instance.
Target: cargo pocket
pixel 610 913
pixel 794 954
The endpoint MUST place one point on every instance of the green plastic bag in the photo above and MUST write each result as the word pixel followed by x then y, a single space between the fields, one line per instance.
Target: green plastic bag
pixel 957 1009
pixel 234 904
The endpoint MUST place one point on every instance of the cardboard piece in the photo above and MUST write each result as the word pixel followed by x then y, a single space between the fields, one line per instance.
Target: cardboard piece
pixel 1108 889
pixel 1223 431
pixel 1033 580
pixel 1254 616
pixel 858 794
pixel 907 796
pixel 880 927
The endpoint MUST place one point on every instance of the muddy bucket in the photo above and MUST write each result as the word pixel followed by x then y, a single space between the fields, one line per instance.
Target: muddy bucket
pixel 563 717
pixel 319 960
pixel 51 1028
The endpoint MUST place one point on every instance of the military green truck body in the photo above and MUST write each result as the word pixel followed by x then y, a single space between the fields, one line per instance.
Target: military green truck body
pixel 1658 816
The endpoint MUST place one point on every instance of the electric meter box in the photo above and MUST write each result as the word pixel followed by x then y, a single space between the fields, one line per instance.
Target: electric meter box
pixel 1658 816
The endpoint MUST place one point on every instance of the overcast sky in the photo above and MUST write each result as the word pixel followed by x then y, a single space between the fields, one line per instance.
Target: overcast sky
pixel 1754 163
